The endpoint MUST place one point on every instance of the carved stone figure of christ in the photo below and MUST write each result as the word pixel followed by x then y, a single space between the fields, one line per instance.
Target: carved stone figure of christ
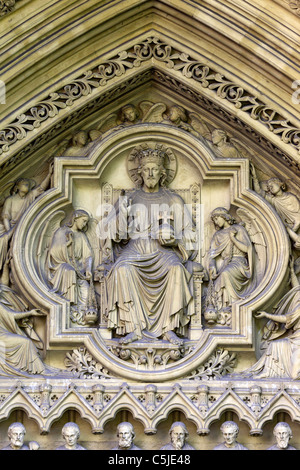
pixel 148 287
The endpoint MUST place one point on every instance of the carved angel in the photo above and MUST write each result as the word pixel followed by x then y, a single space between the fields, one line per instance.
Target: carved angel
pixel 227 148
pixel 22 194
pixel 286 204
pixel 236 259
pixel 126 116
pixel 69 257
pixel 190 122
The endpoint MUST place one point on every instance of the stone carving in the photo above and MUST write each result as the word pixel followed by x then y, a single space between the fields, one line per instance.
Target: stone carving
pixel 23 193
pixel 294 5
pixel 16 433
pixel 190 122
pixel 6 6
pixel 178 436
pixel 283 434
pixel 220 364
pixel 152 48
pixel 126 435
pixel 69 265
pixel 141 301
pixel 231 266
pixel 286 204
pixel 281 340
pixel 71 434
pixel 19 355
pixel 78 145
pixel 225 147
pixel 230 431
pixel 82 364
pixel 130 114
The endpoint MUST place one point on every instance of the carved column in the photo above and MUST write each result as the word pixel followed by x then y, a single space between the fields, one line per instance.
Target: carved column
pixel 45 390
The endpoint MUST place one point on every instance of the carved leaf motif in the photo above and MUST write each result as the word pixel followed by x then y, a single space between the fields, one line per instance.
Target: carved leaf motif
pixel 221 363
pixel 152 47
pixel 84 366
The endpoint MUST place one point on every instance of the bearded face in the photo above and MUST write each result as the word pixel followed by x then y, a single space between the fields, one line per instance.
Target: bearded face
pixel 178 436
pixel 16 436
pixel 282 438
pixel 125 437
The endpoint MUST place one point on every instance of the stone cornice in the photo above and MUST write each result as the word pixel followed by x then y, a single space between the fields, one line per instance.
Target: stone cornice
pixel 151 52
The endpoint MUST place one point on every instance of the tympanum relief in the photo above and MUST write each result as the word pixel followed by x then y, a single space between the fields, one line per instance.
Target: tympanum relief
pixel 159 242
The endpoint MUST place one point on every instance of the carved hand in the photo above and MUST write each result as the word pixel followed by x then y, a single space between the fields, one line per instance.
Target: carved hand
pixel 212 273
pixel 261 315
pixel 35 312
pixel 232 234
pixel 69 238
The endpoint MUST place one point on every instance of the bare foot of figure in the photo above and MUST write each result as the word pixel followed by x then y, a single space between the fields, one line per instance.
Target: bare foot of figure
pixel 130 338
pixel 173 338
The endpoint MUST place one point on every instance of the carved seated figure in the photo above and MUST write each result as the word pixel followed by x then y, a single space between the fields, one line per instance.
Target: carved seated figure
pixel 148 291
pixel 70 261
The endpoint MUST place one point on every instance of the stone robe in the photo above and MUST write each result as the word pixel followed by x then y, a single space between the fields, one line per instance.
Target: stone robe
pixel 237 446
pixel 13 208
pixel 18 354
pixel 282 355
pixel 287 205
pixel 234 267
pixel 148 286
pixel 67 264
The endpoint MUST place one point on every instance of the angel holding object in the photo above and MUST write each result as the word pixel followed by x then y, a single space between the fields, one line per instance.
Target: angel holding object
pixel 234 270
pixel 69 267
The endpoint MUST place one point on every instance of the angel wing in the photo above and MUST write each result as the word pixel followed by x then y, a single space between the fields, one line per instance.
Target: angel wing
pixel 242 149
pixel 257 237
pixel 94 240
pixel 52 224
pixel 108 123
pixel 197 123
pixel 152 112
pixel 207 236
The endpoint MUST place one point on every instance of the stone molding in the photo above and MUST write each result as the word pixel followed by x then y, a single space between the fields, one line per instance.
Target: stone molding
pixel 202 402
pixel 149 52
pixel 68 169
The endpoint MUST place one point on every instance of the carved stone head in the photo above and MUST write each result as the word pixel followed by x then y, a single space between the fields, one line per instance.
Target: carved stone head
pixel 71 434
pixel 230 431
pixel 283 434
pixel 178 434
pixel 221 212
pixel 151 168
pixel 126 435
pixel 16 433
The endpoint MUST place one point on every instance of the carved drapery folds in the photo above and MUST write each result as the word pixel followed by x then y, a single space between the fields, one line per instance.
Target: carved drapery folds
pixel 156 50
pixel 6 6
pixel 153 247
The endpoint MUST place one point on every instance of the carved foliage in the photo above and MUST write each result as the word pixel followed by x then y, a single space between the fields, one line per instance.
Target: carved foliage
pixel 151 48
